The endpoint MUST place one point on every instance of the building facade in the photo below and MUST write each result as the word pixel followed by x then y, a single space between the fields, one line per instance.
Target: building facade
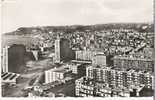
pixel 78 69
pixel 57 74
pixel 86 87
pixel 116 78
pixel 131 62
pixel 74 68
pixel 99 59
pixel 5 59
pixel 84 55
pixel 13 58
pixel 57 50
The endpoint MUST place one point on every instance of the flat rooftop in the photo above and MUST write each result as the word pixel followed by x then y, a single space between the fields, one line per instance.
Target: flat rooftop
pixel 105 86
pixel 132 58
pixel 81 61
pixel 61 69
pixel 9 76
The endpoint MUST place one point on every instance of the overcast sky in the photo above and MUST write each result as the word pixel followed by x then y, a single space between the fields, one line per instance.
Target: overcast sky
pixel 68 12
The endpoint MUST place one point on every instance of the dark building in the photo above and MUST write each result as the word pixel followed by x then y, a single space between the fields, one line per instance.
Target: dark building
pixel 16 54
pixel 66 52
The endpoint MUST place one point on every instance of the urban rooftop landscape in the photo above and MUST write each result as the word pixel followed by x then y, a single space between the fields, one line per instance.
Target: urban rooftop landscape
pixel 78 62
pixel 77 49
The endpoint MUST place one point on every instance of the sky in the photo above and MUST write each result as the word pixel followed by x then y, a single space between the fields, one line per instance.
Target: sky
pixel 27 13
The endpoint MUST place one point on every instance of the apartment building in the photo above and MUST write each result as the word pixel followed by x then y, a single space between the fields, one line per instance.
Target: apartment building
pixel 99 59
pixel 84 55
pixel 133 62
pixel 86 87
pixel 117 78
pixel 56 74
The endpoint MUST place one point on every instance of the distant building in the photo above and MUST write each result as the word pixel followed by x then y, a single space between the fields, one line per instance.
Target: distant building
pixel 84 55
pixel 86 87
pixel 66 53
pixel 74 68
pixel 116 78
pixel 99 59
pixel 57 74
pixel 81 61
pixel 57 50
pixel 78 69
pixel 133 62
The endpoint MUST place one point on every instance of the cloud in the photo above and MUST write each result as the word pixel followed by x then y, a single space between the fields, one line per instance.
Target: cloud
pixel 68 12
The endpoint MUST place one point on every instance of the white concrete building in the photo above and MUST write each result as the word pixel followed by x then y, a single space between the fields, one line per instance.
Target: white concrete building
pixel 5 59
pixel 57 74
pixel 99 59
pixel 74 68
pixel 57 50
pixel 9 77
pixel 84 54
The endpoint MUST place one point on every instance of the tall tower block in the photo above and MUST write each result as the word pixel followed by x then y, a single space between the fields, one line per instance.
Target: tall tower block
pixel 5 59
pixel 57 50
